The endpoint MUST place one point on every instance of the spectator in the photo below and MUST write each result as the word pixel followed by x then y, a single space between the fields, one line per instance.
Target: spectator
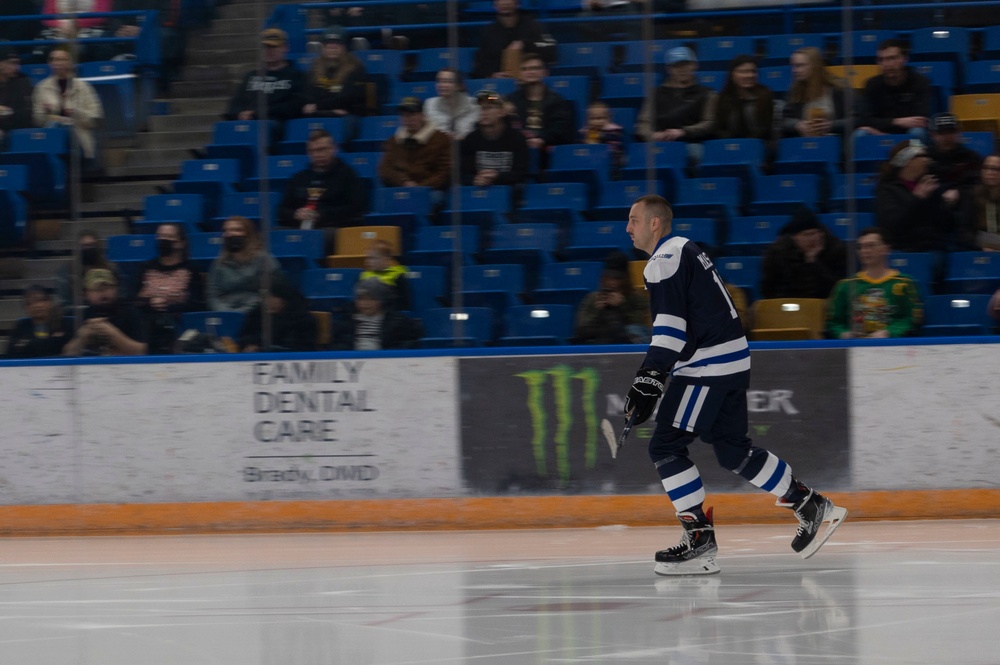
pixel 502 42
pixel 15 95
pixel 680 109
pixel 955 164
pixel 418 155
pixel 374 326
pixel 982 215
pixel 878 302
pixel 327 195
pixel 380 264
pixel 897 100
pixel 545 116
pixel 63 100
pixel 44 331
pixel 282 84
pixel 68 27
pixel 909 203
pixel 805 261
pixel 110 327
pixel 745 107
pixel 453 111
pixel 293 327
pixel 601 129
pixel 168 286
pixel 615 313
pixel 494 153
pixel 235 277
pixel 88 244
pixel 815 104
pixel 337 83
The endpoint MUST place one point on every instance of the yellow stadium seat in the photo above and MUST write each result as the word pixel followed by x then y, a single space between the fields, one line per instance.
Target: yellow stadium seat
pixel 353 241
pixel 324 329
pixel 784 319
pixel 977 112
pixel 855 75
pixel 635 269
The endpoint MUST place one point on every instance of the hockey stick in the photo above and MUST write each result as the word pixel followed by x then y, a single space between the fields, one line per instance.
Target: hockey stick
pixel 609 435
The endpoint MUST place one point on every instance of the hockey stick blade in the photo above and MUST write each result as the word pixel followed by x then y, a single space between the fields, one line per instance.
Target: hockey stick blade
pixel 609 435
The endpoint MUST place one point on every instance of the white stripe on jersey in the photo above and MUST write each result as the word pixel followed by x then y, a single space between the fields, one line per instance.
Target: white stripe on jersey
pixel 670 321
pixel 719 369
pixel 683 478
pixel 667 342
pixel 718 350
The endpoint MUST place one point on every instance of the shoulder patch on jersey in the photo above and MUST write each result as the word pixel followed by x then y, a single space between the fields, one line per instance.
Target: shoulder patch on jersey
pixel 665 262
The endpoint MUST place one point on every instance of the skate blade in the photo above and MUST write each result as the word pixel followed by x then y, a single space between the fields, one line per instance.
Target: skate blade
pixel 835 517
pixel 704 565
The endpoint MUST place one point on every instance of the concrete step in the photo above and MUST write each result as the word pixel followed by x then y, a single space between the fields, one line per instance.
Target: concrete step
pixel 186 122
pixel 116 195
pixel 153 171
pixel 104 226
pixel 98 209
pixel 204 88
pixel 190 137
pixel 246 23
pixel 238 41
pixel 215 72
pixel 45 268
pixel 213 56
pixel 16 287
pixel 184 106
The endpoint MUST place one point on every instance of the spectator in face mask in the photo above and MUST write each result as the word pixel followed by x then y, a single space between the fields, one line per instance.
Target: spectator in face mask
pixel 168 286
pixel 234 278
pixel 91 256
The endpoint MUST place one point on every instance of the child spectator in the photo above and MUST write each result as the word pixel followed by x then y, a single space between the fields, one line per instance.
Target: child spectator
pixel 600 129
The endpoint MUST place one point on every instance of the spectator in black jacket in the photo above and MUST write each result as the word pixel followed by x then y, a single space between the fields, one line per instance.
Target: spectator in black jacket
pixel 502 43
pixel 909 202
pixel 375 326
pixel 15 95
pixel 293 327
pixel 328 195
pixel 283 85
pixel 745 107
pixel 955 164
pixel 546 118
pixel 494 153
pixel 805 261
pixel 336 86
pixel 898 100
pixel 44 331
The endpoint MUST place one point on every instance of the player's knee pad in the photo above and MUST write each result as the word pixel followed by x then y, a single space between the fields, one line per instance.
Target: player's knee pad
pixel 735 457
pixel 668 441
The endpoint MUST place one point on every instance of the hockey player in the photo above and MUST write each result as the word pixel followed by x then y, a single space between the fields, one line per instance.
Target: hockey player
pixel 698 340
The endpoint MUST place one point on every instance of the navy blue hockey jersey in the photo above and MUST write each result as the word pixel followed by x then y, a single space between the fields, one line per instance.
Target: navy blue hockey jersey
pixel 697 334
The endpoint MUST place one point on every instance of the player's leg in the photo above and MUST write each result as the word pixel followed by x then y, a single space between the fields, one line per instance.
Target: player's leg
pixel 765 470
pixel 668 449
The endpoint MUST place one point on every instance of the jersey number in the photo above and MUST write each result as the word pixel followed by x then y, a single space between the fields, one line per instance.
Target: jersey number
pixel 725 293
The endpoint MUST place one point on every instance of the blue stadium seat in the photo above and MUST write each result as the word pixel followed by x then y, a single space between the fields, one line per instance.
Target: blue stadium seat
pixel 820 155
pixel 297 249
pixel 36 72
pixel 442 245
pixel 720 51
pixel 13 206
pixel 751 236
pixel 778 49
pixel 215 324
pixel 330 289
pixel 382 66
pixel 530 245
pixel 186 209
pixel 716 198
pixel 466 326
pixel 373 132
pixel 919 266
pixel 668 160
pixel 624 90
pixel 983 143
pixel 777 78
pixel 212 178
pixel 973 272
pixel 251 205
pixel 732 158
pixel 588 163
pixel 956 315
pixel 297 133
pixel 538 325
pixel 639 54
pixel 428 287
pixel 624 117
pixel 280 169
pixel 503 87
pixel 591 59
pixel 782 194
pixel 203 249
pixel 577 90
pixel 365 164
pixel 497 286
pixel 42 151
pixel 114 81
pixel 128 252
pixel 567 283
pixel 863 193
pixel 991 42
pixel 870 151
pixel 422 90
pixel 864 44
pixel 409 208
pixel 594 241
pixel 431 60
pixel 703 231
pixel 712 79
pixel 741 271
pixel 486 207
pixel 617 196
pixel 940 43
pixel 846 226
pixel 943 78
pixel 981 77
pixel 240 140
pixel 560 203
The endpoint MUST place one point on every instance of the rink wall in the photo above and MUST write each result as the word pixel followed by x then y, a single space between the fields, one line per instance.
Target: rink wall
pixel 482 440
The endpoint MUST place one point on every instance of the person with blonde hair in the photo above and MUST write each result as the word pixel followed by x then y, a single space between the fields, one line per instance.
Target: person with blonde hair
pixel 815 103
pixel 63 100
pixel 336 85
pixel 235 277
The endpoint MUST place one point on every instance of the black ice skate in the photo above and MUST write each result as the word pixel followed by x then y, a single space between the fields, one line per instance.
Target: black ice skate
pixel 695 555
pixel 811 512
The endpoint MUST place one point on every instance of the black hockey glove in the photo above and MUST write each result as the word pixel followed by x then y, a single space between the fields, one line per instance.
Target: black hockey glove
pixel 641 399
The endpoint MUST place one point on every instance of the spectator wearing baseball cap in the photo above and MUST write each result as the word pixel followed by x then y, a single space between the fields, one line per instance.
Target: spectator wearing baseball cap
pixel 805 261
pixel 955 164
pixel 494 153
pixel 418 154
pixel 337 82
pixel 281 83
pixel 110 327
pixel 680 109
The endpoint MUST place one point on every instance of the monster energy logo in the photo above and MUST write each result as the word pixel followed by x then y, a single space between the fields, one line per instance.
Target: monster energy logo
pixel 560 380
